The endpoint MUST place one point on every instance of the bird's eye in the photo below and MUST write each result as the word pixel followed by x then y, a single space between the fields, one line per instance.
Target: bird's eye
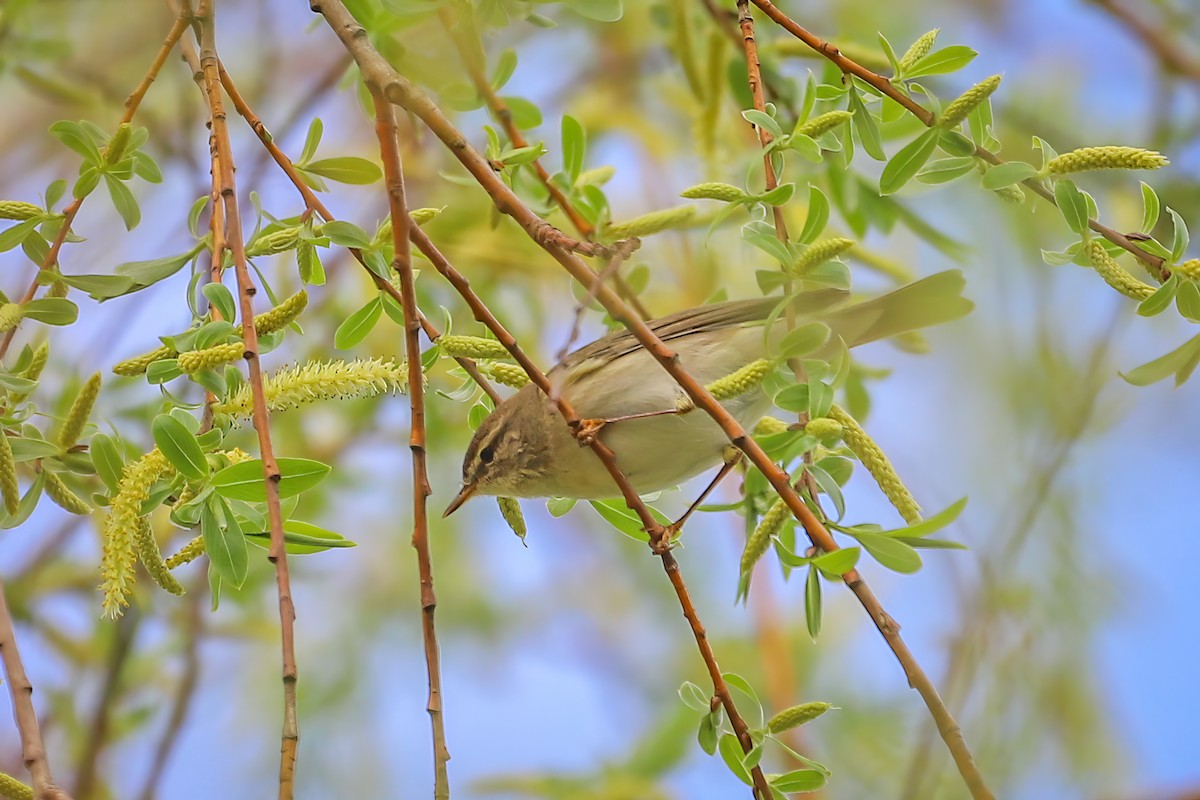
pixel 487 454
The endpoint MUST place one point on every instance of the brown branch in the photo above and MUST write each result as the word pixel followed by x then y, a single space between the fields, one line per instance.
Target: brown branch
pixel 754 70
pixel 33 752
pixel 277 554
pixel 1157 40
pixel 385 129
pixel 469 45
pixel 884 85
pixel 313 202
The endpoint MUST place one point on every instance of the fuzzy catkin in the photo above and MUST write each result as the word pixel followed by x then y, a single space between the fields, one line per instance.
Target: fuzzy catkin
pixel 1106 157
pixel 740 382
pixel 653 222
pixel 824 123
pixel 1115 275
pixel 13 789
pixel 878 465
pixel 80 413
pixel 758 541
pixel 63 497
pixel 507 374
pixel 472 347
pixel 818 253
pixel 18 210
pixel 210 357
pixel 331 380
pixel 152 558
pixel 11 315
pixel 187 554
pixel 958 110
pixel 796 715
pixel 10 488
pixel 919 49
pixel 119 551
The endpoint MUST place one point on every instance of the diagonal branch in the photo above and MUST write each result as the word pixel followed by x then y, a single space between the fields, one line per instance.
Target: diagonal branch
pixel 385 129
pixel 224 168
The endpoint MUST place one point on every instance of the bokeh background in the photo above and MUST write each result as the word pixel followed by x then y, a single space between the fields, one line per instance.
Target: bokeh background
pixel 1065 638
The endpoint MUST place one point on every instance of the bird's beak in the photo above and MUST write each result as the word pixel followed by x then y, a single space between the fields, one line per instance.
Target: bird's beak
pixel 463 496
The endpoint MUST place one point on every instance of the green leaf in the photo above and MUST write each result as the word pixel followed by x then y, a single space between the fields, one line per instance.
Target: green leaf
pixel 16 384
pixel 837 563
pixel 734 757
pixel 1007 174
pixel 124 201
pixel 742 685
pixel 800 780
pixel 301 538
pixel 28 448
pixel 574 143
pixel 812 602
pixel 779 195
pixel 311 140
pixel 944 170
pixel 817 217
pixel 764 121
pixel 75 137
pixel 559 506
pixel 941 62
pixel 1071 204
pixel 933 524
pixel 804 340
pixel 829 486
pixel 506 64
pixel 346 234
pixel 707 734
pixel 52 311
pixel 890 553
pixel 693 696
pixel 347 169
pixel 221 299
pixel 180 447
pixel 245 481
pixel 1160 301
pixel 865 125
pixel 162 371
pixel 525 114
pixel 599 10
pixel 100 287
pixel 1180 362
pixel 907 162
pixel 146 168
pixel 224 543
pixel 107 460
pixel 1187 300
pixel 28 503
pixel 1179 239
pixel 1150 208
pixel 145 273
pixel 356 327
pixel 16 234
pixel 624 519
pixel 936 544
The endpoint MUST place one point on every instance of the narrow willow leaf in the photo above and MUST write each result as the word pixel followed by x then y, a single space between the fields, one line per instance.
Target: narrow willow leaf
pixel 346 169
pixel 734 757
pixel 890 553
pixel 356 327
pixel 932 524
pixel 180 447
pixel 245 481
pixel 908 162
pixel 224 542
pixel 837 563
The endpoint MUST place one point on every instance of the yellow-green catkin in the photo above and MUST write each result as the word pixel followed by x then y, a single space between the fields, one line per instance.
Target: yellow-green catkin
pixel 63 497
pixel 655 221
pixel 137 365
pixel 508 374
pixel 152 558
pixel 1106 157
pixel 80 413
pixel 211 357
pixel 818 253
pixel 118 144
pixel 824 122
pixel 10 487
pixel 472 347
pixel 187 554
pixel 758 541
pixel 13 789
pixel 958 110
pixel 1011 194
pixel 824 428
pixel 279 241
pixel 796 716
pixel 919 49
pixel 119 550
pixel 18 210
pixel 11 315
pixel 1115 275
pixel 742 381
pixel 510 509
pixel 769 426
pixel 878 465
pixel 276 319
pixel 1189 269
pixel 34 371
pixel 331 380
pixel 714 191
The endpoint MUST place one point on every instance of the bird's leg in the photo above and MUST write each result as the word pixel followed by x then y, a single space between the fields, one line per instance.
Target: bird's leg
pixel 733 457
pixel 590 428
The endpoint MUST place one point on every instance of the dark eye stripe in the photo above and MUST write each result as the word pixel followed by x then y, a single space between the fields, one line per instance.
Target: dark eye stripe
pixel 487 454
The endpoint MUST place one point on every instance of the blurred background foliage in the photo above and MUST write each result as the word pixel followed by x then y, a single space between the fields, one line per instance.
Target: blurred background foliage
pixel 1064 639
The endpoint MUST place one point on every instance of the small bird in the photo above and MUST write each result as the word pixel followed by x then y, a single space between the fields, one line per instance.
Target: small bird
pixel 525 449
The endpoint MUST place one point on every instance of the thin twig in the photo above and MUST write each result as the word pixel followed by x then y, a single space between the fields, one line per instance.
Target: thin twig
pixel 884 85
pixel 33 752
pixel 470 47
pixel 385 128
pixel 312 201
pixel 277 554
